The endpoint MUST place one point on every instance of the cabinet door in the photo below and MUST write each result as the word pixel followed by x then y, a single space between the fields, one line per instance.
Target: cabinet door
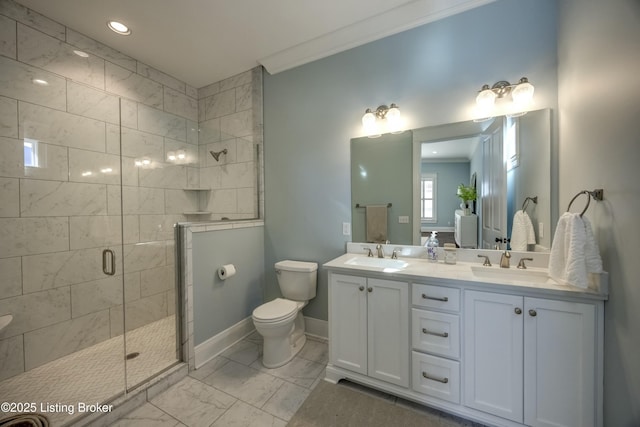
pixel 388 334
pixel 493 358
pixel 348 322
pixel 560 366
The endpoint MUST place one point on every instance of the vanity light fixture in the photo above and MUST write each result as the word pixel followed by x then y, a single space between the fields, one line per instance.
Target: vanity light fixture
pixel 40 82
pixel 521 94
pixel 181 154
pixel 372 121
pixel 81 54
pixel 171 156
pixel 119 28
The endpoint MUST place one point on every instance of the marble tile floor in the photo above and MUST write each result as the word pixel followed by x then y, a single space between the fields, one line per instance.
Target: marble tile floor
pixel 234 389
pixel 95 374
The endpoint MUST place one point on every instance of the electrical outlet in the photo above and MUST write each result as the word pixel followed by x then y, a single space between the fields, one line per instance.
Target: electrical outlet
pixel 403 219
pixel 346 228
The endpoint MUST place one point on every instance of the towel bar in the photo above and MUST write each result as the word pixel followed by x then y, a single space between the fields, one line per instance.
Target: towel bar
pixel 358 205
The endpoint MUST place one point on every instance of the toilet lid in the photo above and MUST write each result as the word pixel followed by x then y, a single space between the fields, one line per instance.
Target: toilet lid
pixel 275 310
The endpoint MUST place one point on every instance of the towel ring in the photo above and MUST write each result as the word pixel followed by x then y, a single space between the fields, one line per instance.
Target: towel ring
pixel 596 194
pixel 525 204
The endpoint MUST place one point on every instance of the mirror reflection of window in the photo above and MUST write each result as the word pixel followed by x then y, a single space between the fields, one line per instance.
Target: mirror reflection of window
pixel 30 153
pixel 428 198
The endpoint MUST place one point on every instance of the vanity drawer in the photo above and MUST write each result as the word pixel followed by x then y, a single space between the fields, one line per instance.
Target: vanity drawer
pixel 436 377
pixel 439 297
pixel 437 333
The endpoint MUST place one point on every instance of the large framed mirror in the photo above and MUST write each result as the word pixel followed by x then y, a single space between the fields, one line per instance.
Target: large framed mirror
pixel 509 159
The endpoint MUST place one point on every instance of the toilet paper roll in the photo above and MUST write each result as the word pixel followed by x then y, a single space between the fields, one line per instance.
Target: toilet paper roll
pixel 226 271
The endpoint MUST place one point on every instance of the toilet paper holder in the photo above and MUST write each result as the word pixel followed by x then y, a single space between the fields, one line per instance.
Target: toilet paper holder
pixel 226 271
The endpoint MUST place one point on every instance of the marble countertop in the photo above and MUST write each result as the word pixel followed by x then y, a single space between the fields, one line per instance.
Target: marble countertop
pixel 462 273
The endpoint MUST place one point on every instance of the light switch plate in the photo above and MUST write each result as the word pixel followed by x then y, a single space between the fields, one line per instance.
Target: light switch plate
pixel 403 219
pixel 346 228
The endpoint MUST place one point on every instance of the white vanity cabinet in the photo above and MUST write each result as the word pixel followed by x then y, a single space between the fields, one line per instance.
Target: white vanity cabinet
pixel 369 327
pixel 531 360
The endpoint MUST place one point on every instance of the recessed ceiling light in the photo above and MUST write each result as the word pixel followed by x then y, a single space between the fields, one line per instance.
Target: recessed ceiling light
pixel 81 53
pixel 434 152
pixel 40 82
pixel 119 27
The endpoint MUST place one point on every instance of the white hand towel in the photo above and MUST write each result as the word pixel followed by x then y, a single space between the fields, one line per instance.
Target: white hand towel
pixel 522 233
pixel 574 252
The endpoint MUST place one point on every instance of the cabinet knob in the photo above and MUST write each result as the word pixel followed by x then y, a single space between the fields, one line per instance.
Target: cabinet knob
pixel 370 289
pixel 533 313
pixel 518 310
pixel 361 288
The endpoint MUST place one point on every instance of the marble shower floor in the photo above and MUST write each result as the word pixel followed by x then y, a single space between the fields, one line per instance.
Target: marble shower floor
pixel 95 374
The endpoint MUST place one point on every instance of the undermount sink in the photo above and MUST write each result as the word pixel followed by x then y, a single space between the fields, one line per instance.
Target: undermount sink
pixel 5 320
pixel 527 275
pixel 387 264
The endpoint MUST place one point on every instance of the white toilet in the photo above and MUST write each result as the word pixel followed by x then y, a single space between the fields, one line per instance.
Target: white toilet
pixel 280 322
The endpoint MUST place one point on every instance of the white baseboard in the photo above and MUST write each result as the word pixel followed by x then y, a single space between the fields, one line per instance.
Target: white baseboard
pixel 316 327
pixel 217 344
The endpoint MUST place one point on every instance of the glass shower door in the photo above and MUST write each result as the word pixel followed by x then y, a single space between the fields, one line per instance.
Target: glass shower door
pixel 156 165
pixel 61 228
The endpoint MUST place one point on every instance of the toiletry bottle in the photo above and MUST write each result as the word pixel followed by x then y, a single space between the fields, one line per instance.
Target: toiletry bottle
pixel 432 247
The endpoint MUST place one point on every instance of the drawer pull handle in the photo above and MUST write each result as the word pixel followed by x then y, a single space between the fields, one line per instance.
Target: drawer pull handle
pixel 443 299
pixel 533 313
pixel 370 289
pixel 440 334
pixel 440 380
pixel 361 288
pixel 518 310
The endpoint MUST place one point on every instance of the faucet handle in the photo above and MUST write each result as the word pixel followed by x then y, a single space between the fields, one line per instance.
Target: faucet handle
pixel 521 264
pixel 486 262
pixel 394 255
pixel 368 249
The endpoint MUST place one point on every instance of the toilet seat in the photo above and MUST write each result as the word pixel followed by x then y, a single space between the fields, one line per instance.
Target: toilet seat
pixel 275 311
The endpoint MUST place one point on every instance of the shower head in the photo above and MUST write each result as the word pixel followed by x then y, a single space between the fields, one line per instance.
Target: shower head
pixel 216 154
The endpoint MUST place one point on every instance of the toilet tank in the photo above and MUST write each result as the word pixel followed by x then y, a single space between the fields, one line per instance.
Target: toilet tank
pixel 297 279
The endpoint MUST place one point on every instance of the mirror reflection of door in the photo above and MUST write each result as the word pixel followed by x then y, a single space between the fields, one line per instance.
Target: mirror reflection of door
pixel 494 186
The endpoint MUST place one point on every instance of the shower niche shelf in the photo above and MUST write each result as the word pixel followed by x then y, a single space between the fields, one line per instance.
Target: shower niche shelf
pixel 198 213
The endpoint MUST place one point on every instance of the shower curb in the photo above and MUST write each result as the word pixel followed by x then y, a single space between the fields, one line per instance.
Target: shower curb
pixel 127 403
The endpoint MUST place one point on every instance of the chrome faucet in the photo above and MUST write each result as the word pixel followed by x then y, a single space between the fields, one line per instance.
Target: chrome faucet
pixel 504 259
pixel 521 264
pixel 486 262
pixel 380 251
pixel 394 255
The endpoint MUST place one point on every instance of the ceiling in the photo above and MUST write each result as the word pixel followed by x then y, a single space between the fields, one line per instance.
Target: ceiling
pixel 454 150
pixel 204 41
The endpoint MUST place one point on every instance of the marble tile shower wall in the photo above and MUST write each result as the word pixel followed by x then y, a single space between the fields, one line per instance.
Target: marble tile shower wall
pixel 60 193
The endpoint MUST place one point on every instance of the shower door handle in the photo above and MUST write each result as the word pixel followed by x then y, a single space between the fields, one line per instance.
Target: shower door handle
pixel 108 268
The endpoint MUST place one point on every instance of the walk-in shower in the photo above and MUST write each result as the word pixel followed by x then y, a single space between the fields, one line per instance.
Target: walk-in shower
pixel 100 156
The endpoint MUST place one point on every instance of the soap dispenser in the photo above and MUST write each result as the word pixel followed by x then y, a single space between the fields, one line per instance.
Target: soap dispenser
pixel 432 247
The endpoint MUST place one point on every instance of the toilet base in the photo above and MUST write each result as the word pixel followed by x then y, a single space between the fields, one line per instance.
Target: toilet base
pixel 276 353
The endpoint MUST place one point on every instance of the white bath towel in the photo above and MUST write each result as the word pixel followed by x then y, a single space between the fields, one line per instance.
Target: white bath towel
pixel 574 252
pixel 522 233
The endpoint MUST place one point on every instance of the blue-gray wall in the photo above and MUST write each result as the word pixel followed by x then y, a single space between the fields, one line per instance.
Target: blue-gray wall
pixel 432 72
pixel 220 304
pixel 450 176
pixel 598 43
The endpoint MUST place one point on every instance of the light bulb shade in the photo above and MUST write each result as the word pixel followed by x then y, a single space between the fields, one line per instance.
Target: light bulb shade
pixel 171 156
pixel 522 94
pixel 486 99
pixel 393 119
pixel 369 124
